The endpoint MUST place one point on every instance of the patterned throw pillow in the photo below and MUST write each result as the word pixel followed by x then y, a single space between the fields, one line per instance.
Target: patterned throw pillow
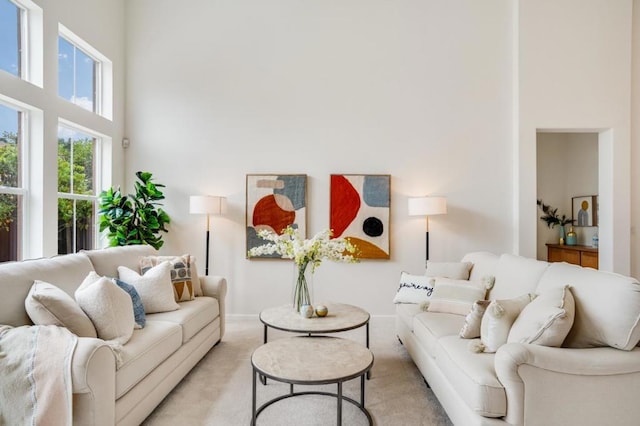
pixel 138 307
pixel 183 289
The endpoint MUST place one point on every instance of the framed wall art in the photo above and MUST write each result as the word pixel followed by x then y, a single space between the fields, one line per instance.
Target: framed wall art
pixel 359 211
pixel 273 203
pixel 585 210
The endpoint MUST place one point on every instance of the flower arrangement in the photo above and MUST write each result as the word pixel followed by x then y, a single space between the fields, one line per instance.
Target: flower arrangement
pixel 305 252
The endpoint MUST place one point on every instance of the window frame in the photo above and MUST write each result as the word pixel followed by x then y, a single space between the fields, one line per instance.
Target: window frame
pixel 100 141
pixel 102 73
pixel 22 191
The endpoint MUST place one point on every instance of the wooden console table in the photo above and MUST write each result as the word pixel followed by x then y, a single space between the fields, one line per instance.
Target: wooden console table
pixel 578 255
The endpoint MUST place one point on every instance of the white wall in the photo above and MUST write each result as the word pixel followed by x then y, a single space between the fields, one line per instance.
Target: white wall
pixel 574 72
pixel 447 97
pixel 567 166
pixel 418 90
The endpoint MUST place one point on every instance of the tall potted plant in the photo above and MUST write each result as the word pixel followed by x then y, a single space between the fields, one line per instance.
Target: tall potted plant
pixel 134 218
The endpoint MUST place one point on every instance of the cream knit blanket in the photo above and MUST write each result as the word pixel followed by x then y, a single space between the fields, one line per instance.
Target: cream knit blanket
pixel 35 375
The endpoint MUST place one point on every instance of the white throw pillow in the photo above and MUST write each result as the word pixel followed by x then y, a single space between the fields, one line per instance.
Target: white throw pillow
pixel 453 270
pixel 498 319
pixel 109 307
pixel 154 287
pixel 47 304
pixel 184 286
pixel 414 289
pixel 547 320
pixel 473 320
pixel 455 296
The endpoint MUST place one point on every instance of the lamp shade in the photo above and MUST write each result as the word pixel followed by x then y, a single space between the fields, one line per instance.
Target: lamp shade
pixel 205 204
pixel 427 206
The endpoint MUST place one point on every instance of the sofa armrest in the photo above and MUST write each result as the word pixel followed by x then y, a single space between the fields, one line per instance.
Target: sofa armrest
pixel 216 286
pixel 545 385
pixel 93 376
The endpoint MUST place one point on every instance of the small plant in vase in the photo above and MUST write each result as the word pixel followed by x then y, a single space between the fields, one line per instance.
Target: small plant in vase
pixel 552 218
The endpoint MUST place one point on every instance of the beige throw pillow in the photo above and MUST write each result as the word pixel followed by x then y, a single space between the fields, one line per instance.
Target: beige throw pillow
pixel 109 307
pixel 154 287
pixel 181 272
pixel 547 320
pixel 455 296
pixel 473 320
pixel 498 319
pixel 47 304
pixel 453 270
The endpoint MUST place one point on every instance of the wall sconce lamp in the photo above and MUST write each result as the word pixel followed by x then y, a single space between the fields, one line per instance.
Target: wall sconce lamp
pixel 209 205
pixel 427 206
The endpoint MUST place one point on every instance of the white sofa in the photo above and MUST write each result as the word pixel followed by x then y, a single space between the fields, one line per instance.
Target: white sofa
pixel 155 359
pixel 527 384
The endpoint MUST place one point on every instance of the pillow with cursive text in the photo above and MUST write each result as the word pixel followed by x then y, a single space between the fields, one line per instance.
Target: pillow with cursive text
pixel 414 289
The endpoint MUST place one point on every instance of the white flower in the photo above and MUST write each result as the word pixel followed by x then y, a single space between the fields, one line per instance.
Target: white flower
pixel 312 251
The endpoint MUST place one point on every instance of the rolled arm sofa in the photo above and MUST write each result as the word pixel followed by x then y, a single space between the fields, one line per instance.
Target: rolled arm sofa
pixel 592 379
pixel 154 360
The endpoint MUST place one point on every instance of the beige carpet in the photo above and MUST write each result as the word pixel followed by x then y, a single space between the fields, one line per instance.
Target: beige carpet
pixel 218 389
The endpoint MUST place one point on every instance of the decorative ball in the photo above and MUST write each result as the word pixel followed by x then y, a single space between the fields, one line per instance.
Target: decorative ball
pixel 306 311
pixel 321 311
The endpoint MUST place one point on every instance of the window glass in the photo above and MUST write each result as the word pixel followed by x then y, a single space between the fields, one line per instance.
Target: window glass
pixel 10 177
pixel 76 190
pixel 9 37
pixel 76 75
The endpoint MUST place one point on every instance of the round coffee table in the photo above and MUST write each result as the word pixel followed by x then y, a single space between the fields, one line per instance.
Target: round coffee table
pixel 341 317
pixel 312 360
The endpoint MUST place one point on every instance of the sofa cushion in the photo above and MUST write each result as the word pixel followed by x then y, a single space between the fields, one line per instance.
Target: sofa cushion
pixel 46 304
pixel 472 375
pixel 414 289
pixel 406 312
pixel 147 349
pixel 65 272
pixel 192 316
pixel 484 264
pixel 516 275
pixel 455 296
pixel 498 319
pixel 607 306
pixel 183 287
pixel 106 261
pixel 154 287
pixel 429 327
pixel 546 320
pixel 108 306
pixel 453 270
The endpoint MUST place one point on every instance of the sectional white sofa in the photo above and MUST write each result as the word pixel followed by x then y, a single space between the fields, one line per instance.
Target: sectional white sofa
pixel 156 357
pixel 593 379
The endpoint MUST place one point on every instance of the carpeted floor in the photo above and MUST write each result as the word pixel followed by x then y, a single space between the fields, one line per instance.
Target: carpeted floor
pixel 218 390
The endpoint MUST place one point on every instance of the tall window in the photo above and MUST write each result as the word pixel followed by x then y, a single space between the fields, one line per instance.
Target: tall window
pixel 77 188
pixel 11 191
pixel 77 73
pixel 10 37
